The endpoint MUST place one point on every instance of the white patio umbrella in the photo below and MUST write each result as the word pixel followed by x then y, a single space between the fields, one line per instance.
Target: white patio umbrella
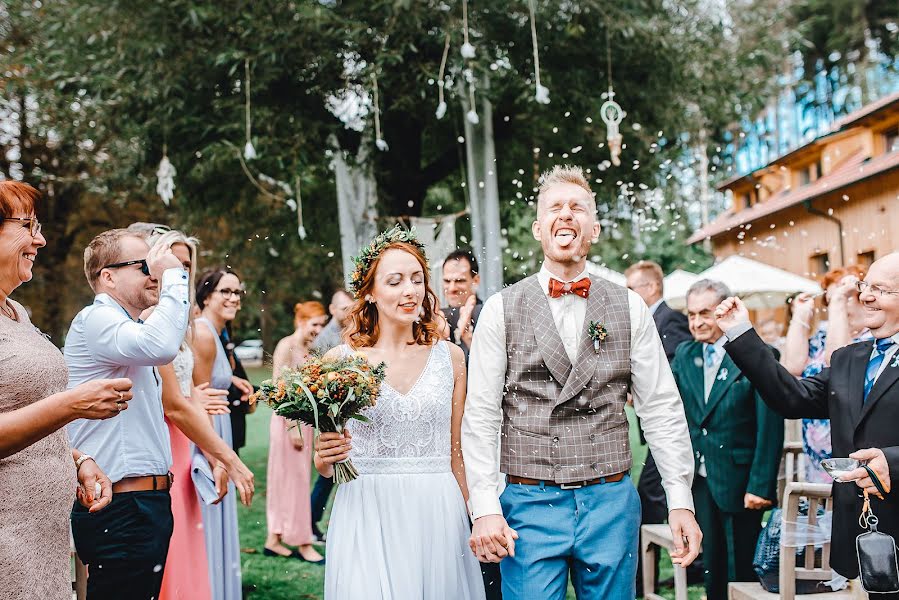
pixel 757 284
pixel 676 284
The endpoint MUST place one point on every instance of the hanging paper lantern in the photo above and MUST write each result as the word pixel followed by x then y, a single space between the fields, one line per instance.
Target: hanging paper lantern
pixel 467 50
pixel 165 185
pixel 249 152
pixel 542 94
pixel 472 117
pixel 441 110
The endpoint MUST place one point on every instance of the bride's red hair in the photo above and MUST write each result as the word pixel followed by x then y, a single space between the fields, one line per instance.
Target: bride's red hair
pixel 362 329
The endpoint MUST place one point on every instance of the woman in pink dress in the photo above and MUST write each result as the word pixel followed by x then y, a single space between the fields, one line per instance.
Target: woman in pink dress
pixel 288 510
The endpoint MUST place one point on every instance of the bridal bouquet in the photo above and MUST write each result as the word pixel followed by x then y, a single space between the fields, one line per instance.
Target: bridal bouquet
pixel 326 394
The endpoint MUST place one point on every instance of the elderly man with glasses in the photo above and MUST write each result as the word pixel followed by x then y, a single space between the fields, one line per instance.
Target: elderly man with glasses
pixel 858 392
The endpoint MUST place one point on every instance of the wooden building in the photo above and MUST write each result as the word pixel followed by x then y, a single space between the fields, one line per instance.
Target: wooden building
pixel 831 202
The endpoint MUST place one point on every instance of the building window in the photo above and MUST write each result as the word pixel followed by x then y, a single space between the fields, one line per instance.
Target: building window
pixel 819 264
pixel 865 259
pixel 804 177
pixel 891 137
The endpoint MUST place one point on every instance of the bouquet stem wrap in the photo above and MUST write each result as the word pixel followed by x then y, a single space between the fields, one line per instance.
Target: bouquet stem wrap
pixel 326 394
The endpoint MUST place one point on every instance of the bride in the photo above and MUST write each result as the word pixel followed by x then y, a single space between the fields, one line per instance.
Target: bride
pixel 400 531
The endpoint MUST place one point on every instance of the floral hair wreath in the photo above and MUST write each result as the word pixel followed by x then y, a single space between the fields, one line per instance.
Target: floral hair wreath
pixel 369 253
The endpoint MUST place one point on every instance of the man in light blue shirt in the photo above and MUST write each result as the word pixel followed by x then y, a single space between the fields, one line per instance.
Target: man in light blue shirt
pixel 128 544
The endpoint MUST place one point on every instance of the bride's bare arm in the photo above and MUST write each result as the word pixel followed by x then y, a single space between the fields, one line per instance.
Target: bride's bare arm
pixel 459 391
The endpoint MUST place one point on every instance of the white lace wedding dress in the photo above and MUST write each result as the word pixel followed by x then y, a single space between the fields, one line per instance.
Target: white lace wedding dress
pixel 400 531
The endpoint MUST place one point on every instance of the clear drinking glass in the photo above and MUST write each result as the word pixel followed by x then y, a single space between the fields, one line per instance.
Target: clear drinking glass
pixel 840 467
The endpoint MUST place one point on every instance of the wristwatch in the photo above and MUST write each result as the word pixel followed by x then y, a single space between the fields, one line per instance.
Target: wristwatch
pixel 81 460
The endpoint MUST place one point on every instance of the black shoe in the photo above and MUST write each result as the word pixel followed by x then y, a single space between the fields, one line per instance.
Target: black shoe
pixel 296 553
pixel 268 552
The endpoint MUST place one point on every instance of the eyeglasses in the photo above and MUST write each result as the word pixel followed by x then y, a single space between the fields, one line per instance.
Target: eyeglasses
pixel 227 294
pixel 33 225
pixel 876 290
pixel 144 268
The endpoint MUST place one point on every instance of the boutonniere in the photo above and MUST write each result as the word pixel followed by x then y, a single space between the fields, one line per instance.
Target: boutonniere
pixel 895 362
pixel 722 375
pixel 598 333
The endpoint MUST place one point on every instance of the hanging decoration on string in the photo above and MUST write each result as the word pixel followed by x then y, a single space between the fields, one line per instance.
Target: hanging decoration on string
pixel 611 112
pixel 165 175
pixel 249 152
pixel 467 48
pixel 441 102
pixel 468 53
pixel 301 231
pixel 541 92
pixel 380 142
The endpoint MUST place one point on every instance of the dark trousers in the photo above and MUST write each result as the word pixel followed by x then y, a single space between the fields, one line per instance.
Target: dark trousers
pixel 319 500
pixel 125 545
pixel 493 582
pixel 728 542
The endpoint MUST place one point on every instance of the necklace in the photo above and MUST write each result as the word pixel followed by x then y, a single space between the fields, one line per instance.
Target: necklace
pixel 9 311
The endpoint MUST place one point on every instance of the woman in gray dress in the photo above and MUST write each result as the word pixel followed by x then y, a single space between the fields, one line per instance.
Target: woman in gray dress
pixel 39 473
pixel 218 297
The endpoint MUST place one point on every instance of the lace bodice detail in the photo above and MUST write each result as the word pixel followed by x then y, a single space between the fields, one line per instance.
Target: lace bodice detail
pixel 184 370
pixel 409 433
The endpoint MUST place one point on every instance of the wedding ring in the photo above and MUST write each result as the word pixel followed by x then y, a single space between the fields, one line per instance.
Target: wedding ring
pixel 118 405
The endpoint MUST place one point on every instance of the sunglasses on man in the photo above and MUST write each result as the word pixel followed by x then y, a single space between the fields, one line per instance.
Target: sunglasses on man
pixel 144 268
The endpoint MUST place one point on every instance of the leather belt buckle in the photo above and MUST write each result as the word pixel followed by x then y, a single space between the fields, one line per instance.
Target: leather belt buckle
pixel 571 486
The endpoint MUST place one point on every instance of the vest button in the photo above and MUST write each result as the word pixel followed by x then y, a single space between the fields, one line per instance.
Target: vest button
pixel 704 432
pixel 557 467
pixel 555 439
pixel 592 436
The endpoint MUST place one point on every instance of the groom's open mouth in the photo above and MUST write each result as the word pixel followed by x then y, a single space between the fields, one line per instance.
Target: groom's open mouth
pixel 564 236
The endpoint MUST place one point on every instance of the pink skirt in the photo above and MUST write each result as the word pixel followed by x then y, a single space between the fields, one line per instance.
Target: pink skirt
pixel 287 504
pixel 186 574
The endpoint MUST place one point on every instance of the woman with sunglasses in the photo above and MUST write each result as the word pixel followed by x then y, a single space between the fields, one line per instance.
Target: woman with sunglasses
pixel 218 297
pixel 38 471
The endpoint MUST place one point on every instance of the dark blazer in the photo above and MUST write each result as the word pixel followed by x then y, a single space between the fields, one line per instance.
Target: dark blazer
pixel 452 317
pixel 673 328
pixel 740 438
pixel 836 393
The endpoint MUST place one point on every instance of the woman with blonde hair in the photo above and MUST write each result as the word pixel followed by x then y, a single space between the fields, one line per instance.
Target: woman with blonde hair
pixel 288 507
pixel 400 531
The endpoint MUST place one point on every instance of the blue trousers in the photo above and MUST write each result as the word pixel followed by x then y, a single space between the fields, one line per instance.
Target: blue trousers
pixel 591 532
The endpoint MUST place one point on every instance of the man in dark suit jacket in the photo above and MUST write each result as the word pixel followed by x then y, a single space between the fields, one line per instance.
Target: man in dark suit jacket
pixel 460 287
pixel 737 444
pixel 647 279
pixel 858 393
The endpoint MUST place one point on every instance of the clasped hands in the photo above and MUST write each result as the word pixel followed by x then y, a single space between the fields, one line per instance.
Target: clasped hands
pixel 492 539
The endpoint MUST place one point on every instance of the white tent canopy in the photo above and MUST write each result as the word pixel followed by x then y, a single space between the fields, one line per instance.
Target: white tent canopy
pixel 757 284
pixel 676 284
pixel 606 273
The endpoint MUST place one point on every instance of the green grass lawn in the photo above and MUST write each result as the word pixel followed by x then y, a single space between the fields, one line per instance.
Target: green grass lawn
pixel 271 578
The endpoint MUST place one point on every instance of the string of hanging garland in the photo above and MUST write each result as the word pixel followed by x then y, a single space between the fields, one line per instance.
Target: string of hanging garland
pixel 541 92
pixel 468 53
pixel 165 177
pixel 249 152
pixel 611 112
pixel 380 142
pixel 441 103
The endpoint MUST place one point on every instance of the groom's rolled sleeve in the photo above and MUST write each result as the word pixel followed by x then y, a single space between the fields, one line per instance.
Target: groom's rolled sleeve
pixel 483 410
pixel 660 408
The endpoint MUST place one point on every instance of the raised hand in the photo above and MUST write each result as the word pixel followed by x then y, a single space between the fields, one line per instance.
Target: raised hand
pixel 803 307
pixel 100 398
pixel 492 539
pixel 161 258
pixel 731 312
pixel 465 328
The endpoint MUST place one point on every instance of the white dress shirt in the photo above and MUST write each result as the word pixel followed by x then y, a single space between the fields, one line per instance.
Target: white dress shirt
pixel 655 306
pixel 104 342
pixel 710 372
pixel 655 395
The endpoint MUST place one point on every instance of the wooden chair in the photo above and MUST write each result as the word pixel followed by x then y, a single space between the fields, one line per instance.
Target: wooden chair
pixel 792 468
pixel 653 537
pixel 818 495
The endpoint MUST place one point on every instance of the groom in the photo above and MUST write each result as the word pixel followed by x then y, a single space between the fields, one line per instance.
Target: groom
pixel 557 393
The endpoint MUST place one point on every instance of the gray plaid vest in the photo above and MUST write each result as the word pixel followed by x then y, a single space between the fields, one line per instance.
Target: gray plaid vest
pixel 564 423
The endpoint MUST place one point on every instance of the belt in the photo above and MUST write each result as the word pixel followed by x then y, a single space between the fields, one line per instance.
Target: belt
pixel 147 483
pixel 572 485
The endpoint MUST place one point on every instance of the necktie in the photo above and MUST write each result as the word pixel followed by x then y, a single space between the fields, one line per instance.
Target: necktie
pixel 880 350
pixel 581 287
pixel 709 356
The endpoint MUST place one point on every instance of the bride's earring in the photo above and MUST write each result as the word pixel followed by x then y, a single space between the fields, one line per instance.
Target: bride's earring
pixel 369 299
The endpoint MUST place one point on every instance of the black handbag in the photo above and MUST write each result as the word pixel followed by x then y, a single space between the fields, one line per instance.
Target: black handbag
pixel 877 564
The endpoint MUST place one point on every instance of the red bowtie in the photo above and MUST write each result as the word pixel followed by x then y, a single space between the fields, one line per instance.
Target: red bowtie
pixel 581 287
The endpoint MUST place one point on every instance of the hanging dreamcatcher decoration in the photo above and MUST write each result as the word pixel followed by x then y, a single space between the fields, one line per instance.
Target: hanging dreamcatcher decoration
pixel 541 92
pixel 380 142
pixel 611 112
pixel 441 102
pixel 249 152
pixel 165 177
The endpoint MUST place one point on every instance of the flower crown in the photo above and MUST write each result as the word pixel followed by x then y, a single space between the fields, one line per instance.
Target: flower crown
pixel 371 252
